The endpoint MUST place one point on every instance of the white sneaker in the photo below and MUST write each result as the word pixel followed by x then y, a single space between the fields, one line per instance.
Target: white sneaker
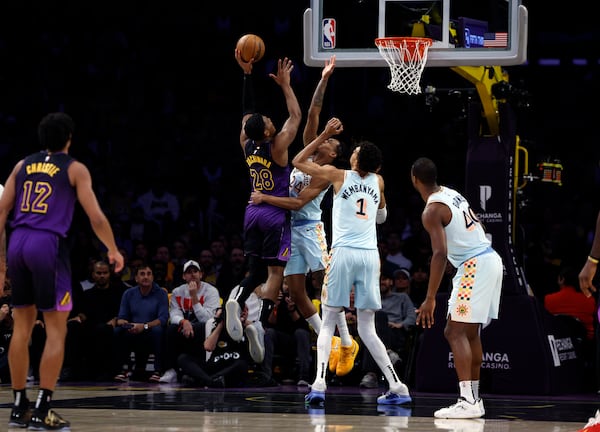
pixel 461 410
pixel 481 407
pixel 169 377
pixel 256 341
pixel 232 320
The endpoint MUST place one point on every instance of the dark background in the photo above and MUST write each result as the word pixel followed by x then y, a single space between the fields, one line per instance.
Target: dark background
pixel 156 94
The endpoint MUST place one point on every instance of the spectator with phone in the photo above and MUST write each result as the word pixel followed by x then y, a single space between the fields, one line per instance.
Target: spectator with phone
pixel 141 323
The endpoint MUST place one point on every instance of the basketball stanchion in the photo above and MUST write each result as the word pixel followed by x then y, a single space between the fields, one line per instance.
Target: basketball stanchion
pixel 406 57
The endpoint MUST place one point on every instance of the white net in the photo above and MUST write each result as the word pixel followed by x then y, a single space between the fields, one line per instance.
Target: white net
pixel 406 57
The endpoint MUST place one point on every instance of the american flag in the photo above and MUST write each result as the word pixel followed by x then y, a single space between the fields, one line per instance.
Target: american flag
pixel 495 40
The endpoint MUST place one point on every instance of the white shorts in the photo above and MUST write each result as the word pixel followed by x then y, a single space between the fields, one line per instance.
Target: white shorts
pixel 476 287
pixel 348 268
pixel 309 249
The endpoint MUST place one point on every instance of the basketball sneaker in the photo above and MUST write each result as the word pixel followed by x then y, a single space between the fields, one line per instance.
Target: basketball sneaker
pixel 481 407
pixel 48 421
pixel 315 397
pixel 256 341
pixel 347 356
pixel 462 409
pixel 232 320
pixel 395 397
pixel 334 355
pixel 19 417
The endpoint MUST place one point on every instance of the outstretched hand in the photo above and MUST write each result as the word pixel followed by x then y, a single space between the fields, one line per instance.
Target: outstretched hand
pixel 284 71
pixel 329 67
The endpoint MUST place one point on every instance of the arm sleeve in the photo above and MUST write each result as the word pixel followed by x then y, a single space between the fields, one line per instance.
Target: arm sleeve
pixel 248 103
pixel 381 215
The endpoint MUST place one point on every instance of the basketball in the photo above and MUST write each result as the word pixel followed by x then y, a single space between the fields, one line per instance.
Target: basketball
pixel 251 46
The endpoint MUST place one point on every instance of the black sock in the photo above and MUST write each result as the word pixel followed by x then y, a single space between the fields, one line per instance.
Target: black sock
pixel 20 398
pixel 43 400
pixel 265 310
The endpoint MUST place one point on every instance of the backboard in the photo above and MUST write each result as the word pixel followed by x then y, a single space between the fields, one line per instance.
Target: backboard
pixel 465 32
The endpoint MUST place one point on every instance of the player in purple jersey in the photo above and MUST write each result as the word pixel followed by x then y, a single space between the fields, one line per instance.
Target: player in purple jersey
pixel 266 227
pixel 42 190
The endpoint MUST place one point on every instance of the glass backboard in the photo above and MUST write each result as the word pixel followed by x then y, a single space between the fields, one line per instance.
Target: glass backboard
pixel 464 32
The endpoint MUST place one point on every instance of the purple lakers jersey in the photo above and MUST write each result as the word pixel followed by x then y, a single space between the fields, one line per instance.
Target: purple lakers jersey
pixel 45 198
pixel 267 177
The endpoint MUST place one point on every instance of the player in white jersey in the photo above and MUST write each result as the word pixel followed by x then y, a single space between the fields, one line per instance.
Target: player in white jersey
pixel 457 236
pixel 309 243
pixel 358 204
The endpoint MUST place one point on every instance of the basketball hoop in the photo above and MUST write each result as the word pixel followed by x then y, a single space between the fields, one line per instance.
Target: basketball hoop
pixel 406 57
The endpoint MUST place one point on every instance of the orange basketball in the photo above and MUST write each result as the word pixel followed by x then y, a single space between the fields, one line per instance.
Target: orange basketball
pixel 251 46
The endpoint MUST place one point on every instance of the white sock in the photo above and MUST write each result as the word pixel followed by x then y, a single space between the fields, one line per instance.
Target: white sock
pixel 475 387
pixel 315 322
pixel 324 347
pixel 342 325
pixel 466 391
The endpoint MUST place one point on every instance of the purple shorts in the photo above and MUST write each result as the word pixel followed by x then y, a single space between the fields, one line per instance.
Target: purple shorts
pixel 39 270
pixel 267 233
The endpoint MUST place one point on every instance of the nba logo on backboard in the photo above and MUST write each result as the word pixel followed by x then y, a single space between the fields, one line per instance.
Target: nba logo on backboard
pixel 328 33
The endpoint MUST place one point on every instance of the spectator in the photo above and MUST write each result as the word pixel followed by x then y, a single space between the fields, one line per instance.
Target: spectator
pixel 570 300
pixel 160 207
pixel 233 271
pixel 418 283
pixel 219 252
pixel 163 255
pixel 227 365
pixel 142 230
pixel 191 305
pixel 89 342
pixel 394 251
pixel 143 316
pixel 207 261
pixel 179 256
pixel 401 280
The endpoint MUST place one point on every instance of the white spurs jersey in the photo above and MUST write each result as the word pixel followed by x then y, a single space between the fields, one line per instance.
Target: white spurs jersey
pixel 465 237
pixel 312 209
pixel 354 211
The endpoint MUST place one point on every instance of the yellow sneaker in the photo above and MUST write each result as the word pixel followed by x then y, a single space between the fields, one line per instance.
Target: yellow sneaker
pixel 346 361
pixel 334 355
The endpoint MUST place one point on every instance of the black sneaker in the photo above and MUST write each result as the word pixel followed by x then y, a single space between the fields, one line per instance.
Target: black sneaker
pixel 19 417
pixel 50 421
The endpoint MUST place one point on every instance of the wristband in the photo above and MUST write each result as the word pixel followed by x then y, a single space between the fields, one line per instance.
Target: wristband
pixel 593 260
pixel 381 215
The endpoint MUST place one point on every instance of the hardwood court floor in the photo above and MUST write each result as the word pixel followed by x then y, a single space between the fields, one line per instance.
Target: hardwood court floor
pixel 172 408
